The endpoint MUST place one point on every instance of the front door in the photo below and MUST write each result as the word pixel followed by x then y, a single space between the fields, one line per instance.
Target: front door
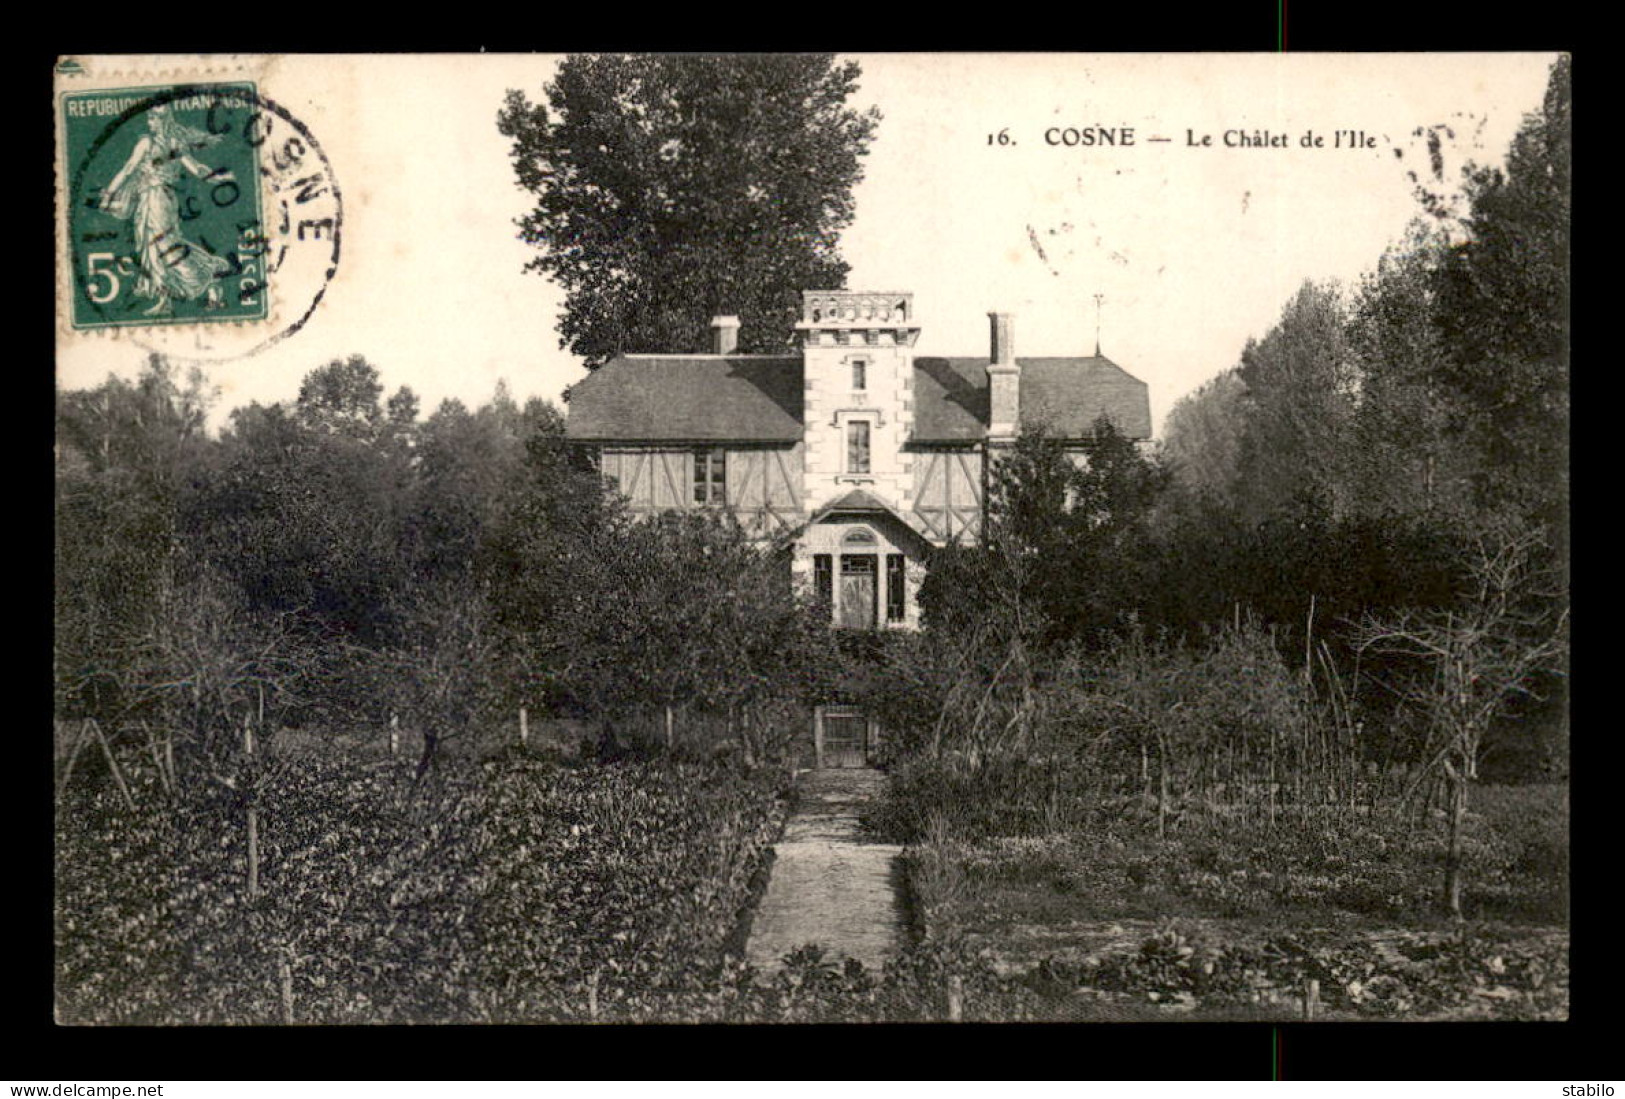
pixel 846 737
pixel 858 590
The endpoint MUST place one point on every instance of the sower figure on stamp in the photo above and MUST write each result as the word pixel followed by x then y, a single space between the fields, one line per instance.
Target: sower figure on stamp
pixel 144 192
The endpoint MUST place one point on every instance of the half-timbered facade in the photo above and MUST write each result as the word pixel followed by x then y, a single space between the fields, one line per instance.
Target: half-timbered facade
pixel 855 453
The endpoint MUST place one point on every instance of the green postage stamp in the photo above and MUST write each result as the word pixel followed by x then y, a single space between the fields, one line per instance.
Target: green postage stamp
pixel 165 218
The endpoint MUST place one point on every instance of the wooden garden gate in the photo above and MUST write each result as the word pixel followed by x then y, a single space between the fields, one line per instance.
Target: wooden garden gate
pixel 843 736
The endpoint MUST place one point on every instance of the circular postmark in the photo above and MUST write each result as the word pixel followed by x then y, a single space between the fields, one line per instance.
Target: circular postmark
pixel 205 219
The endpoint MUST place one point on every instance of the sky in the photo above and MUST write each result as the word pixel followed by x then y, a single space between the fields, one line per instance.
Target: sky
pixel 1192 247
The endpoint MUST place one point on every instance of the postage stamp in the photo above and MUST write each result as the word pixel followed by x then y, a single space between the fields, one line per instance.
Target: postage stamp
pixel 166 224
pixel 190 205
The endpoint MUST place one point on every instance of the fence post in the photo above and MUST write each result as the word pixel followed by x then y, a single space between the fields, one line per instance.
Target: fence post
pixel 253 811
pixel 285 971
pixel 1309 644
pixel 592 996
pixel 1311 998
pixel 956 998
pixel 524 728
pixel 394 735
pixel 169 756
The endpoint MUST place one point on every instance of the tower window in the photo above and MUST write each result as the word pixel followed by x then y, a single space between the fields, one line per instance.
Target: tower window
pixel 857 446
pixel 860 374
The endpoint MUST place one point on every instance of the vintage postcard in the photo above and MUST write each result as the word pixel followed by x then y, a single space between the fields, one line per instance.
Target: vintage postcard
pixel 811 538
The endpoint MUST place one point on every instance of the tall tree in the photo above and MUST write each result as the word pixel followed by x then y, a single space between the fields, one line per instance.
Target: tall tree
pixel 127 455
pixel 467 464
pixel 1299 398
pixel 1406 461
pixel 1201 441
pixel 343 398
pixel 304 508
pixel 1065 540
pixel 674 188
pixel 1504 313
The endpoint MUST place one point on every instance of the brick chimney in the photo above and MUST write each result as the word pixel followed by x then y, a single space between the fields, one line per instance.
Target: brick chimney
pixel 1004 379
pixel 724 335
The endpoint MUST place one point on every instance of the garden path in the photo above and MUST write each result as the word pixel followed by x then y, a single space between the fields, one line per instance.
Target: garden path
pixel 829 884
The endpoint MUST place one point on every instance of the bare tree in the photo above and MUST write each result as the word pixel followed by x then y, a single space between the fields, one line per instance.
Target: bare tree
pixel 445 667
pixel 1478 657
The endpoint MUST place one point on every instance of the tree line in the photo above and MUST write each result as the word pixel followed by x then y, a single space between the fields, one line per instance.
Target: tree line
pixel 1388 445
pixel 341 560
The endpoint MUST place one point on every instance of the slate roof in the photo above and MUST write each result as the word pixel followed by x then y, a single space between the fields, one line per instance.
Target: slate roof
pixel 692 398
pixel 1063 395
pixel 758 398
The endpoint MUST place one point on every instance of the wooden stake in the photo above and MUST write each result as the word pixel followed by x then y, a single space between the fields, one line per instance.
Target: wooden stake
pixel 394 735
pixel 112 764
pixel 1308 642
pixel 253 816
pixel 73 756
pixel 671 736
pixel 1272 775
pixel 1311 998
pixel 1162 790
pixel 524 727
pixel 157 760
pixel 956 998
pixel 592 996
pixel 253 852
pixel 285 971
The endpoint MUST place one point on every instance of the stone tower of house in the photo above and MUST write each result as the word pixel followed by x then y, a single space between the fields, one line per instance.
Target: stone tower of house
pixel 858 410
pixel 857 353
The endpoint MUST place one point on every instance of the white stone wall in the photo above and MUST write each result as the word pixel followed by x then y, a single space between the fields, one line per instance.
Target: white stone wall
pixel 887 402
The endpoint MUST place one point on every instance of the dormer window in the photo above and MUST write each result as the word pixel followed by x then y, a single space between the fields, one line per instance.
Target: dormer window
pixel 857 446
pixel 860 374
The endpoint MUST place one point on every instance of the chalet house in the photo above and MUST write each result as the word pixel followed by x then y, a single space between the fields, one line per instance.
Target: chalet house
pixel 857 453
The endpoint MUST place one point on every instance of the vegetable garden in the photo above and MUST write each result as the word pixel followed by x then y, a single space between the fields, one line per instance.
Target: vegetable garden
pixel 509 891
